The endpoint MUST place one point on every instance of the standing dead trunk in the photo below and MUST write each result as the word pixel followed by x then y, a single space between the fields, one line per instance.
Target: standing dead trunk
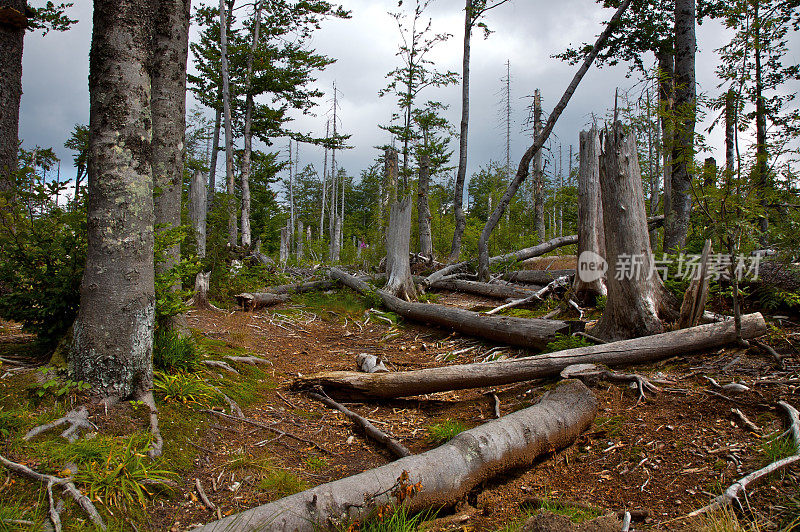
pixel 637 298
pixel 324 184
pixel 522 170
pixel 591 236
pixel 445 474
pixel 676 224
pixel 248 135
pixel 168 107
pixel 398 266
pixel 300 236
pixel 761 169
pixel 12 35
pixel 284 250
pixel 538 172
pixel 233 230
pixel 423 210
pixel 212 165
pixel 666 97
pixel 197 211
pixel 335 250
pixel 113 333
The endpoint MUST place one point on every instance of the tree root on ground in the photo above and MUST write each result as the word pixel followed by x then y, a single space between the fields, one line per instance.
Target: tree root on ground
pixel 594 373
pixel 78 419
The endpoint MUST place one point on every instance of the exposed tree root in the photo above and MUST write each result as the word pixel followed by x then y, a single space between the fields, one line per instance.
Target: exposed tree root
pixel 64 483
pixel 397 448
pixel 253 361
pixel 77 419
pixel 594 373
pixel 220 365
pixel 158 441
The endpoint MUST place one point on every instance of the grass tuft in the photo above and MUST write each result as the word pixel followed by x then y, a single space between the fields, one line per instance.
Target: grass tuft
pixel 444 431
pixel 175 353
pixel 279 483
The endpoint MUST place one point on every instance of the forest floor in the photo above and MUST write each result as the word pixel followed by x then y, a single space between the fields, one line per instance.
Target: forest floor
pixel 665 456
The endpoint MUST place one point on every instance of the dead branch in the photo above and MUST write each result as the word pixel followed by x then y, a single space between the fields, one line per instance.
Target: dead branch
pixel 158 441
pixel 202 494
pixel 593 372
pixel 745 421
pixel 768 350
pixel 536 297
pixel 64 483
pixel 77 419
pixel 397 448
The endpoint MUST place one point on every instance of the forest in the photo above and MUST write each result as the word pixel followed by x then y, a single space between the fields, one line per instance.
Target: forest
pixel 250 299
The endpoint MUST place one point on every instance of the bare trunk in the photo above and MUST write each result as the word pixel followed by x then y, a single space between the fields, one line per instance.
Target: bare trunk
pixel 591 236
pixel 324 185
pixel 637 298
pixel 666 95
pixel 461 174
pixel 479 375
pixel 398 267
pixel 762 177
pixel 423 210
pixel 113 333
pixel 212 166
pixel 445 474
pixel 12 35
pixel 197 211
pixel 168 106
pixel 248 135
pixel 284 249
pixel 522 170
pixel 226 105
pixel 538 172
pixel 335 250
pixel 676 225
pixel 730 123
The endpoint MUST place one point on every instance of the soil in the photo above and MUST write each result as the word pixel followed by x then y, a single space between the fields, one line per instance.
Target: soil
pixel 661 458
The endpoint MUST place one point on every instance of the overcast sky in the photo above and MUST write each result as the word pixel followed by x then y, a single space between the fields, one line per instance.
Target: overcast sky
pixel 526 33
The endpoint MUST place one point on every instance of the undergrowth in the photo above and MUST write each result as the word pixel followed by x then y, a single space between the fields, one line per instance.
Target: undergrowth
pixel 173 352
pixel 444 431
pixel 184 388
pixel 562 342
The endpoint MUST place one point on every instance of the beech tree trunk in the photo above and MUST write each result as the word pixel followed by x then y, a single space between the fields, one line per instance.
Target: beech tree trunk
pixel 398 239
pixel 532 333
pixel 666 100
pixel 248 135
pixel 463 376
pixel 446 474
pixel 212 165
pixel 591 237
pixel 168 107
pixel 637 299
pixel 522 170
pixel 113 333
pixel 676 225
pixel 12 35
pixel 233 230
pixel 197 211
pixel 423 210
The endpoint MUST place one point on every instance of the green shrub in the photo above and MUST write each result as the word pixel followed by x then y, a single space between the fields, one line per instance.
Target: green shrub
pixel 175 353
pixel 184 388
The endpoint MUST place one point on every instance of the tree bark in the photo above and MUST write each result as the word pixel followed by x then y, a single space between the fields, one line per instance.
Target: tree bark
pixel 423 210
pixel 212 165
pixel 464 376
pixel 248 136
pixel 522 170
pixel 541 277
pixel 254 301
pixel 233 230
pixel 398 236
pixel 676 225
pixel 197 211
pixel 666 100
pixel 461 174
pixel 168 107
pixel 522 332
pixel 762 177
pixel 445 474
pixel 12 35
pixel 637 298
pixel 113 333
pixel 538 173
pixel 284 249
pixel 499 291
pixel 591 236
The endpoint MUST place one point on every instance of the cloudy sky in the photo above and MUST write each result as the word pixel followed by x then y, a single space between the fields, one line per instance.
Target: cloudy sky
pixel 526 33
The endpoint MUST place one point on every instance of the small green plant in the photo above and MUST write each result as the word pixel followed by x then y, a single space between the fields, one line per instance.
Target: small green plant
pixel 280 483
pixel 316 463
pixel 399 519
pixel 429 297
pixel 444 431
pixel 173 352
pixel 10 422
pixel 184 388
pixel 59 388
pixel 126 479
pixel 777 447
pixel 562 342
pixel 600 303
pixel 576 514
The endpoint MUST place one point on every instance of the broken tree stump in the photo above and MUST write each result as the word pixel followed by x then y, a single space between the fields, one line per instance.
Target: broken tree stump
pixel 443 475
pixel 521 332
pixel 459 377
pixel 259 300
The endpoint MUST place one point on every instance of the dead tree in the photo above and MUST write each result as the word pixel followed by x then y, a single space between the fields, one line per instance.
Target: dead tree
pixel 522 170
pixel 637 299
pixel 591 238
pixel 442 475
pixel 463 376
pixel 197 211
pixel 423 210
pixel 398 238
pixel 233 230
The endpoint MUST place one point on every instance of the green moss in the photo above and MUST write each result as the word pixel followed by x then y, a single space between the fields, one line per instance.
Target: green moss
pixel 611 425
pixel 279 483
pixel 576 514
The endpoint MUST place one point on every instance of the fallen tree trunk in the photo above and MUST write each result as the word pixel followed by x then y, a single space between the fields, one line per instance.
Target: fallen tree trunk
pixel 622 353
pixel 537 276
pixel 521 332
pixel 259 300
pixel 499 291
pixel 441 476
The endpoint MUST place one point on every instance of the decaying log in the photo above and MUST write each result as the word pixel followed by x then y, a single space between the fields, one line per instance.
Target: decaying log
pixel 541 277
pixel 514 331
pixel 499 291
pixel 299 288
pixel 457 377
pixel 397 448
pixel 258 300
pixel 694 300
pixel 443 475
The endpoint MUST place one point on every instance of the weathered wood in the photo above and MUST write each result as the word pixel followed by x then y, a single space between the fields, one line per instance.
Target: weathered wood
pixel 398 237
pixel 444 475
pixel 622 353
pixel 536 297
pixel 522 332
pixel 499 291
pixel 591 236
pixel 259 300
pixel 694 300
pixel 542 277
